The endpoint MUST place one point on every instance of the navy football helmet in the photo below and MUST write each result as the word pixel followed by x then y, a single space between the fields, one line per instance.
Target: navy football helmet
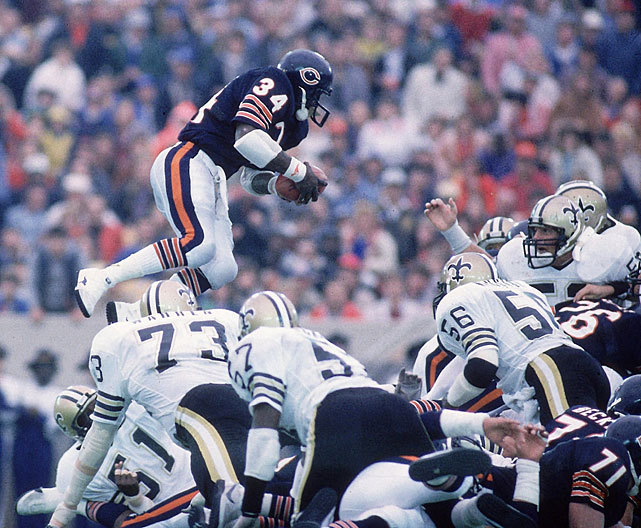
pixel 627 430
pixel 311 76
pixel 626 398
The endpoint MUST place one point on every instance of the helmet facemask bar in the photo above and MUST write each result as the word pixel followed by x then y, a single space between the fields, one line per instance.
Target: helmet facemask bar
pixel 314 104
pixel 533 248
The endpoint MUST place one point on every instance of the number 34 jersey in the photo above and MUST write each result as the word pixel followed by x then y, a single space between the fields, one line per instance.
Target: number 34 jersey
pixel 292 370
pixel 507 318
pixel 156 360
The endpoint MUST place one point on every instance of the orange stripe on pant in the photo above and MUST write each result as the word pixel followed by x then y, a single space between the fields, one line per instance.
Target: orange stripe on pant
pixel 177 194
pixel 490 396
pixel 155 512
pixel 433 365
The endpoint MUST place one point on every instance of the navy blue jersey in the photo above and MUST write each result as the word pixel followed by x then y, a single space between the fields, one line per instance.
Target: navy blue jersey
pixel 579 421
pixel 593 471
pixel 607 332
pixel 263 98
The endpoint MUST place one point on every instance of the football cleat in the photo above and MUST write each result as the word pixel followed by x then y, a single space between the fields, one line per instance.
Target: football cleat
pixel 500 514
pixel 460 462
pixel 122 311
pixel 318 508
pixel 91 286
pixel 226 504
pixel 37 501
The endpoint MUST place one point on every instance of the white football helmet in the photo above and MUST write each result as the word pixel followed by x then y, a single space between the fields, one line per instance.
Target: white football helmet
pixel 461 269
pixel 72 410
pixel 563 216
pixel 590 199
pixel 167 296
pixel 494 232
pixel 267 308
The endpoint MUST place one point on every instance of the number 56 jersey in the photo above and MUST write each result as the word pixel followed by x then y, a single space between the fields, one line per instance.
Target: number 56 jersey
pixel 156 360
pixel 496 317
pixel 292 370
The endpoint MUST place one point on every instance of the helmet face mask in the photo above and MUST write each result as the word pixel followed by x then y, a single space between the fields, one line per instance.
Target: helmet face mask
pixel 72 410
pixel 463 269
pixel 554 228
pixel 267 308
pixel 311 77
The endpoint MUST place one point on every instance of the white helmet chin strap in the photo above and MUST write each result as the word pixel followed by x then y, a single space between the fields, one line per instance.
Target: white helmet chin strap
pixel 302 113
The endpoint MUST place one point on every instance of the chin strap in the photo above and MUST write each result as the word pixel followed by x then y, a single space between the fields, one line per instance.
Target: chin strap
pixel 302 113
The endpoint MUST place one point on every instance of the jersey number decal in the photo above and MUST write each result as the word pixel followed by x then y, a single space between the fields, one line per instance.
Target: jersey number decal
pixel 584 324
pixel 263 88
pixel 571 424
pixel 207 106
pixel 141 438
pixel 217 353
pixel 96 364
pixel 531 321
pixel 278 101
pixel 335 365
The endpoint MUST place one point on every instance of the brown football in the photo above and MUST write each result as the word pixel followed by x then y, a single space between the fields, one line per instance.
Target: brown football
pixel 287 190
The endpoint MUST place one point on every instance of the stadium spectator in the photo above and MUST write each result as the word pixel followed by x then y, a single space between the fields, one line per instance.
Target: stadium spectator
pixel 12 299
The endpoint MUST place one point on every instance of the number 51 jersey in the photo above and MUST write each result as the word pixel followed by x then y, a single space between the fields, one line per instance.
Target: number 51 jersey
pixel 292 370
pixel 156 360
pixel 510 318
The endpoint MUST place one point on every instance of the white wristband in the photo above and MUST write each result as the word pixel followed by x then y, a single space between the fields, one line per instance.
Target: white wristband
pixel 263 453
pixel 457 238
pixel 460 423
pixel 527 481
pixel 296 170
pixel 271 185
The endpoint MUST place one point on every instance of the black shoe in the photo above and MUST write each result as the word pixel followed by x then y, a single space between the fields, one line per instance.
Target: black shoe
pixel 459 461
pixel 317 509
pixel 500 514
pixel 196 516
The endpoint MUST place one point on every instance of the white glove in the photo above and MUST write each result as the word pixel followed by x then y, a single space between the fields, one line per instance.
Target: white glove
pixel 62 516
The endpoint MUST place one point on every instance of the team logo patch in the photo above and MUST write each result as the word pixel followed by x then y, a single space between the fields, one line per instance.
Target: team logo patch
pixel 244 323
pixel 186 293
pixel 457 267
pixel 310 76
pixel 585 207
pixel 573 211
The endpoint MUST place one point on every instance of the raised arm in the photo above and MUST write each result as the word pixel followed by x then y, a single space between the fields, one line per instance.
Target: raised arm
pixel 444 218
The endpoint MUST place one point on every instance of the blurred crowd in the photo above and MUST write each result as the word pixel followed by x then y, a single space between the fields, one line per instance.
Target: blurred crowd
pixel 494 103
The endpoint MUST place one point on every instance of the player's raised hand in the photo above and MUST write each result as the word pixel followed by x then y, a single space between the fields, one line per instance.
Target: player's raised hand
pixel 308 186
pixel 499 429
pixel 529 444
pixel 441 214
pixel 127 481
pixel 408 385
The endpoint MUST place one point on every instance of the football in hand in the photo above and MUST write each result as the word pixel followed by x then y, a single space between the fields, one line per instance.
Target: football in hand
pixel 287 190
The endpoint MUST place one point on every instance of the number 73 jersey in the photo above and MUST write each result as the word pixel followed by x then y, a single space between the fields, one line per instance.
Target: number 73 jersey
pixel 156 360
pixel 507 318
pixel 292 370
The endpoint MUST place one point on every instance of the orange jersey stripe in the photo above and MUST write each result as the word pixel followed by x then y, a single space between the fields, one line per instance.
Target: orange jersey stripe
pixel 260 105
pixel 255 110
pixel 435 362
pixel 496 393
pixel 190 231
pixel 165 508
pixel 241 113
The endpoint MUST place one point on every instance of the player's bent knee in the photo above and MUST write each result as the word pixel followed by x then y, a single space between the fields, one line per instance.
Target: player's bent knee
pixel 202 254
pixel 222 272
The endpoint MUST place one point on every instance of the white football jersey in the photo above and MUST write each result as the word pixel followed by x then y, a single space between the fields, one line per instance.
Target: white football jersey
pixel 510 317
pixel 144 447
pixel 156 360
pixel 292 369
pixel 557 285
pixel 607 256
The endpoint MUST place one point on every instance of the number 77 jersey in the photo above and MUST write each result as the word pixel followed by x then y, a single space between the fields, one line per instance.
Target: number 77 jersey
pixel 497 317
pixel 292 370
pixel 154 361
